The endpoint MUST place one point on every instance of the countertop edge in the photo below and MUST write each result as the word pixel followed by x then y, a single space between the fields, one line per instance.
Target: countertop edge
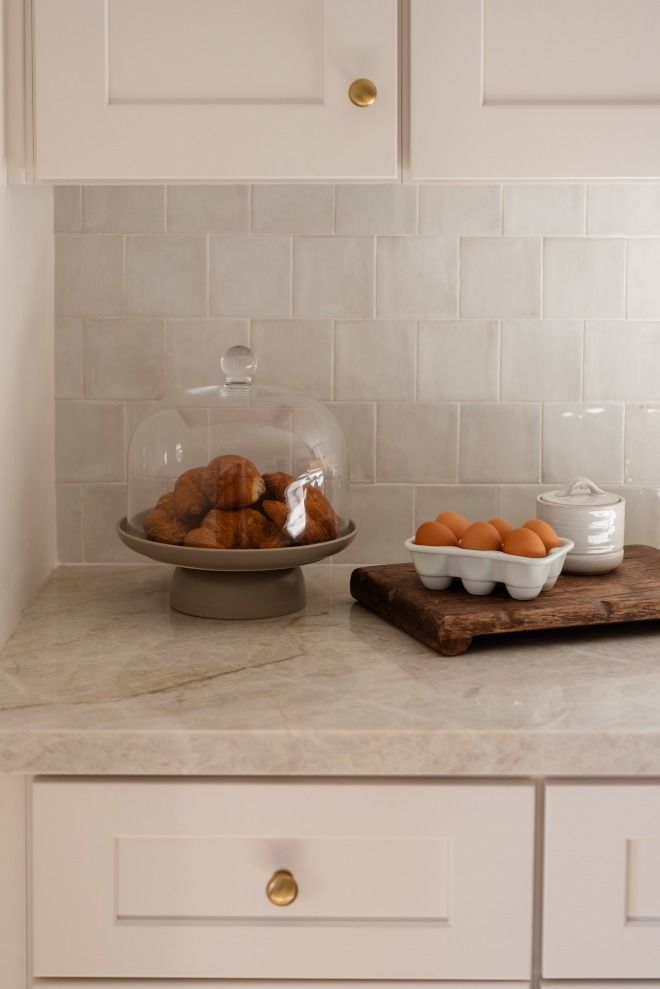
pixel 332 753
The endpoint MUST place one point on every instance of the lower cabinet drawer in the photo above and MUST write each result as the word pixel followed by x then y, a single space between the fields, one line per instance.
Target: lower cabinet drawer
pixel 172 879
pixel 602 882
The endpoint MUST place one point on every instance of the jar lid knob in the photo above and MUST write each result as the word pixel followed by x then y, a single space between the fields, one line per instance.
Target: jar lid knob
pixel 239 365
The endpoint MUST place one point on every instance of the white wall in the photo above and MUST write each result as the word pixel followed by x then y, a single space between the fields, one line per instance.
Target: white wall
pixel 27 480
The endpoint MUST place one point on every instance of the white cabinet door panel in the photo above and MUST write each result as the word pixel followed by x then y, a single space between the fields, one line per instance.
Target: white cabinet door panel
pixel 602 882
pixel 535 89
pixel 167 879
pixel 213 89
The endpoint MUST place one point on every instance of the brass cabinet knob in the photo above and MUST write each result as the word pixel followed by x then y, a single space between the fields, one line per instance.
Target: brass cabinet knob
pixel 362 92
pixel 282 888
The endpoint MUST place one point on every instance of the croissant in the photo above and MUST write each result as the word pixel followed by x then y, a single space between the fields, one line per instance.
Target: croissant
pixel 235 482
pixel 242 529
pixel 193 493
pixel 321 518
pixel 276 485
pixel 161 523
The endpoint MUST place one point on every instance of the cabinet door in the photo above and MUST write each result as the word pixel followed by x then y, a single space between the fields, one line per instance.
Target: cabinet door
pixel 394 881
pixel 602 882
pixel 213 89
pixel 535 89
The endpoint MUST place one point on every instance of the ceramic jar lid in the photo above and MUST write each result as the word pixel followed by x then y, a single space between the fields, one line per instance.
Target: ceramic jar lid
pixel 582 492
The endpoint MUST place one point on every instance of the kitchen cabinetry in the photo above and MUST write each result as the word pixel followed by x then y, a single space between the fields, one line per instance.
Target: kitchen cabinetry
pixel 213 89
pixel 204 90
pixel 602 882
pixel 394 880
pixel 534 89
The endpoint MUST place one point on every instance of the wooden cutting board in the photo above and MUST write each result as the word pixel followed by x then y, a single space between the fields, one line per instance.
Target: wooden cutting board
pixel 447 621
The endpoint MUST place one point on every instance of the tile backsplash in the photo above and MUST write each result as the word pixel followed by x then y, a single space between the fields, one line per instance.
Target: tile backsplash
pixel 478 344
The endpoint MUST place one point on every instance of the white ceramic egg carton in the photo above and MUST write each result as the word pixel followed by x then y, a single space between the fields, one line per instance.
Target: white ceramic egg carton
pixel 480 570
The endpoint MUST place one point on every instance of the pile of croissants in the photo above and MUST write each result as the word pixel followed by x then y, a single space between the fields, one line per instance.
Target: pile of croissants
pixel 229 505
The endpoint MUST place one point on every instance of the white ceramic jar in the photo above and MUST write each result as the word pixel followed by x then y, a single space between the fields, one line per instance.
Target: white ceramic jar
pixel 592 518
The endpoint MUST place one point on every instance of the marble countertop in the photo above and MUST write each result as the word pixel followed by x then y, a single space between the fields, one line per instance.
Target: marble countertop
pixel 102 678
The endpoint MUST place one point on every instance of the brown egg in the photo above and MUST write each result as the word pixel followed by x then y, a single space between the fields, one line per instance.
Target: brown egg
pixel 457 523
pixel 501 525
pixel 545 532
pixel 481 535
pixel 523 542
pixel 435 534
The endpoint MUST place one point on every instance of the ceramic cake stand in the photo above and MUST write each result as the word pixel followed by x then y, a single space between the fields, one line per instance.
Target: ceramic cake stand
pixel 235 583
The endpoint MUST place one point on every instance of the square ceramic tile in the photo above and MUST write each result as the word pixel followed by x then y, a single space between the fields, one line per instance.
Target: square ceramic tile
pixel 583 278
pixel 89 275
pixel 293 209
pixel 375 359
pixel 417 277
pixel 126 209
pixel 642 514
pixel 541 361
pixel 517 502
pixel 333 276
pixel 643 285
pixel 458 361
pixel 67 208
pixel 221 209
pixel 68 358
pixel 460 210
pixel 103 506
pixel 69 523
pixel 250 276
pixel 295 353
pixel 581 440
pixel 358 423
pixel 194 348
pixel 89 441
pixel 500 443
pixel 376 209
pixel 165 276
pixel 383 514
pixel 544 210
pixel 500 277
pixel 475 501
pixel 621 361
pixel 417 441
pixel 624 210
pixel 124 358
pixel 642 450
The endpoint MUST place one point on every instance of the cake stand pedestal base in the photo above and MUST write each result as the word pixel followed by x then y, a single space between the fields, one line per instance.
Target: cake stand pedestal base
pixel 235 594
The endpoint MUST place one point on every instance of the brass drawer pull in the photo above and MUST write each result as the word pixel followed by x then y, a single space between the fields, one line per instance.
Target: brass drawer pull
pixel 282 888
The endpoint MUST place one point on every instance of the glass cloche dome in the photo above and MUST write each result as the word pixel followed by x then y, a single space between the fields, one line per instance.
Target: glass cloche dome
pixel 238 466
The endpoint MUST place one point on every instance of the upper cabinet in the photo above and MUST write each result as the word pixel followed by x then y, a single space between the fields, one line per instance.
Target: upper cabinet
pixel 148 90
pixel 241 90
pixel 544 89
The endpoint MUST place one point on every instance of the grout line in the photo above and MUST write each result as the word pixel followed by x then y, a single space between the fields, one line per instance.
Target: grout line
pixel 334 209
pixel 499 360
pixel 582 350
pixel 502 210
pixel 541 282
pixel 416 361
pixel 249 229
pixel 165 205
pixel 625 279
pixel 333 361
pixel 291 257
pixel 207 245
pixel 124 248
pixel 541 425
pixel 374 293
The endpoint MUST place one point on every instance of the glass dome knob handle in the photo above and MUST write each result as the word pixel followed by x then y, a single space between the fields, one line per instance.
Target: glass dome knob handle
pixel 239 365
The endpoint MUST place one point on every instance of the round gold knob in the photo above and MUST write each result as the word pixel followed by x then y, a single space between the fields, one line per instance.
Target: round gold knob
pixel 362 92
pixel 282 888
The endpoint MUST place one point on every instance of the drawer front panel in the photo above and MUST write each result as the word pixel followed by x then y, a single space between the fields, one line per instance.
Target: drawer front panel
pixel 602 882
pixel 167 879
pixel 223 878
